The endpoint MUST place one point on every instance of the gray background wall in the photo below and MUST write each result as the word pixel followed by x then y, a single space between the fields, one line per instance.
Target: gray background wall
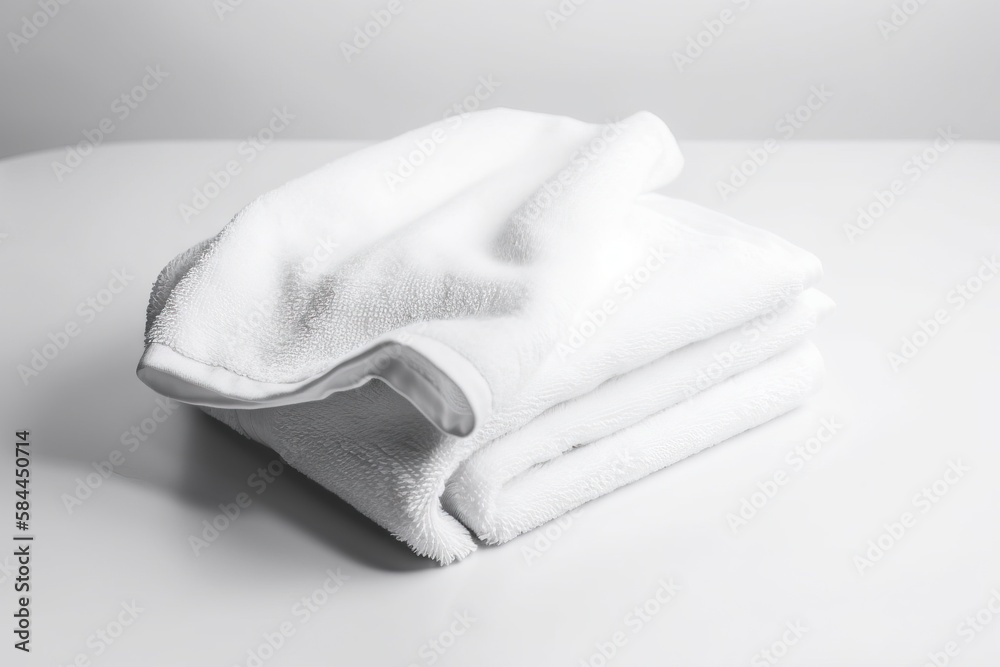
pixel 226 70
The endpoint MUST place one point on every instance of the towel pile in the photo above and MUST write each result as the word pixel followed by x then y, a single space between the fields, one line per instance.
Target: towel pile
pixel 475 327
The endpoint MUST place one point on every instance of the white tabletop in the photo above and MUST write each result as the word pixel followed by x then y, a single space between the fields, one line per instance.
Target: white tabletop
pixel 539 600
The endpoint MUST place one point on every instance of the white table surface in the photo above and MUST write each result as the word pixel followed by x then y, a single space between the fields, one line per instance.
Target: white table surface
pixel 793 562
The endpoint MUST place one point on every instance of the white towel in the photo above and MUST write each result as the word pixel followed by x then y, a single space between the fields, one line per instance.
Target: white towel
pixel 531 311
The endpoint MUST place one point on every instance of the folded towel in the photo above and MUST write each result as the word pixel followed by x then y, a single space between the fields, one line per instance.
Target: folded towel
pixel 543 328
pixel 541 471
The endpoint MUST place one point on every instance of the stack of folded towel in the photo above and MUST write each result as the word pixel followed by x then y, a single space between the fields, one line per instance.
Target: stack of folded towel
pixel 475 327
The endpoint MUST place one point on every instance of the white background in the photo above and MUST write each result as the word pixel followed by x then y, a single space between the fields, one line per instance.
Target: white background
pixel 537 600
pixel 793 562
pixel 608 59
